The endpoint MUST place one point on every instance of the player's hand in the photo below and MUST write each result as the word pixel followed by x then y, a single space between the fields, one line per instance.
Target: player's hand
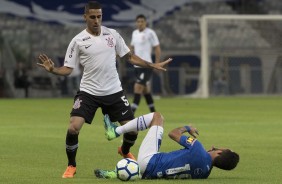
pixel 193 131
pixel 161 65
pixel 46 62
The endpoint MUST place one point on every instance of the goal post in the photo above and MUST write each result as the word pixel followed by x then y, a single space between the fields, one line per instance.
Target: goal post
pixel 240 55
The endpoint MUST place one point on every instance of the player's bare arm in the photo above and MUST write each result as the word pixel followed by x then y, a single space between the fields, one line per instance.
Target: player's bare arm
pixel 48 65
pixel 176 133
pixel 131 48
pixel 135 60
pixel 157 53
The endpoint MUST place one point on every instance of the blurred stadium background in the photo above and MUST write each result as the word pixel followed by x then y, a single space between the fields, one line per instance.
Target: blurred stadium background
pixel 241 54
pixel 220 48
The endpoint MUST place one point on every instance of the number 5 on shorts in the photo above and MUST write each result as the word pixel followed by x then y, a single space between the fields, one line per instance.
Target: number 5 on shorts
pixel 126 103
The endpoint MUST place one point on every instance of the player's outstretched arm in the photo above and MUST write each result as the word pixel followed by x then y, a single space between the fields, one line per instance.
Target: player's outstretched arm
pixel 135 60
pixel 176 133
pixel 46 63
pixel 157 53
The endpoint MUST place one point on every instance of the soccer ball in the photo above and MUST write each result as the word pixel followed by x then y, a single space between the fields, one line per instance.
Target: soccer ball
pixel 127 169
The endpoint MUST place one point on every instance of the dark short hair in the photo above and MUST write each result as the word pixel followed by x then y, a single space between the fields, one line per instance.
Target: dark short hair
pixel 92 5
pixel 227 160
pixel 140 16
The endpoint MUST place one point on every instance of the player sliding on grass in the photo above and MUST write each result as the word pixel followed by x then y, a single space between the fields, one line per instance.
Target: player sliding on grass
pixel 191 162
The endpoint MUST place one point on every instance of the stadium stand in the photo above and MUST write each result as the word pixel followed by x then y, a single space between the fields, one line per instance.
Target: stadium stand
pixel 178 30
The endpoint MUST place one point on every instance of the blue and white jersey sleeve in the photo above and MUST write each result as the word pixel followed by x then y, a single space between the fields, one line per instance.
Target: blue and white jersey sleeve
pixel 187 141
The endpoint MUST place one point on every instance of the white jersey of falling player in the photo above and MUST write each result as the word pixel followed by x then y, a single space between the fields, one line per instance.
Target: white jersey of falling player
pixel 143 41
pixel 97 55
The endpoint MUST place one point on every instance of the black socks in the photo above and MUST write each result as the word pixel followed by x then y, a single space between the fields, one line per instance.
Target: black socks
pixel 150 102
pixel 71 147
pixel 128 141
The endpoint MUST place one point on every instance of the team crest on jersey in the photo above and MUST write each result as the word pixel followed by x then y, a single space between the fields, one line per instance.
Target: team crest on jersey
pixel 110 42
pixel 190 140
pixel 76 104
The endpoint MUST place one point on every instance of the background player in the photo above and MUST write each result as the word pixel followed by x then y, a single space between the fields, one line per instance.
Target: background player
pixel 191 162
pixel 142 41
pixel 95 48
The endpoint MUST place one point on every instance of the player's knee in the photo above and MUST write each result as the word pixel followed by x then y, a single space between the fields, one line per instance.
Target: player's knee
pixel 75 124
pixel 139 88
pixel 73 129
pixel 158 119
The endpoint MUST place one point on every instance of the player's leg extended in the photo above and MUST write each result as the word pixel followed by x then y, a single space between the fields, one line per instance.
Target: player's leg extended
pixel 151 143
pixel 128 129
pixel 72 145
pixel 138 124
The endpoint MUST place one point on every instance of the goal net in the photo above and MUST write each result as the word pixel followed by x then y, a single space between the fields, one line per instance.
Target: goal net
pixel 240 55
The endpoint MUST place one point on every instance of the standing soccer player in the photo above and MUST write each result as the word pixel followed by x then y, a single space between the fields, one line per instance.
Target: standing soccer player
pixel 142 41
pixel 95 48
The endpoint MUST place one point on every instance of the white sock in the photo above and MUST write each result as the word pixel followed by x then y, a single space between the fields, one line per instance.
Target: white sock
pixel 138 124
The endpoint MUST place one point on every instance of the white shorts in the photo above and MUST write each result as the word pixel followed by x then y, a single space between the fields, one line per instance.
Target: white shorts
pixel 150 146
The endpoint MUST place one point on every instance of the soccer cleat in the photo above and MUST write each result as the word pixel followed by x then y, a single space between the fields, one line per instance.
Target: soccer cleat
pixel 70 172
pixel 128 155
pixel 99 173
pixel 110 128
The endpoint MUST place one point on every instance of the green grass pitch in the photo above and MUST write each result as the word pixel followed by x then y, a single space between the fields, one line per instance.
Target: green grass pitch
pixel 32 138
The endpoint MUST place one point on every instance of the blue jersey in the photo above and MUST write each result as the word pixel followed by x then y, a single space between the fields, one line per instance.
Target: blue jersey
pixel 191 162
